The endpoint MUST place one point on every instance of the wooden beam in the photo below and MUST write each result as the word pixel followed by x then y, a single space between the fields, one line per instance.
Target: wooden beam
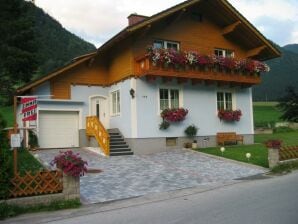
pixel 230 28
pixel 254 52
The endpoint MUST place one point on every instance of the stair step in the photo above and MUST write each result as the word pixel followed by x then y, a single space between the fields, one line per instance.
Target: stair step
pixel 114 134
pixel 117 141
pixel 121 153
pixel 120 150
pixel 119 146
pixel 116 137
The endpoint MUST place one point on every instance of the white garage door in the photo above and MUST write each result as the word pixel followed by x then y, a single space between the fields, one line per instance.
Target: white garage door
pixel 58 129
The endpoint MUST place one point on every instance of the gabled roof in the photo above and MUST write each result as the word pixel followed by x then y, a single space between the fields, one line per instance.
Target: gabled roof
pixel 228 9
pixel 74 62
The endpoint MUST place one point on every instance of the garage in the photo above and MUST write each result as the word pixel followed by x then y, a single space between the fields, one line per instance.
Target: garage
pixel 58 129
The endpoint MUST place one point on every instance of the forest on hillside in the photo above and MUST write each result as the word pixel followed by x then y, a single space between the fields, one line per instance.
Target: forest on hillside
pixel 32 44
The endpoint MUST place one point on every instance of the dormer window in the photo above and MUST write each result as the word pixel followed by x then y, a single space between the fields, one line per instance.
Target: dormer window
pixel 224 53
pixel 166 44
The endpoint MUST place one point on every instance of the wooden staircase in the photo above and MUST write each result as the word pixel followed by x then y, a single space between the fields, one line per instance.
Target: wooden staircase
pixel 118 146
pixel 94 128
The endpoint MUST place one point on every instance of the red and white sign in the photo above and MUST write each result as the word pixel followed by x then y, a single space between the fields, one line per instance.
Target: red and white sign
pixel 29 107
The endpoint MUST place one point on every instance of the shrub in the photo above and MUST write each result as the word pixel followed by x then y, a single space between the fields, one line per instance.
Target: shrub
pixel 33 140
pixel 5 172
pixel 282 130
pixel 191 131
pixel 164 125
pixel 5 162
pixel 70 163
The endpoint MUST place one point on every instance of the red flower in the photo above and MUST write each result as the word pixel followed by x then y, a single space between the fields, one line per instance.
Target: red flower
pixel 70 163
pixel 174 115
pixel 229 115
pixel 273 143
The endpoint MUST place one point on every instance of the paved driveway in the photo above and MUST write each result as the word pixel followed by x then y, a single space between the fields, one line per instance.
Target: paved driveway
pixel 131 176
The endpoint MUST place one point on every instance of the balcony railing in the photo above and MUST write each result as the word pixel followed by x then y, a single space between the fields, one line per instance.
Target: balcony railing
pixel 145 67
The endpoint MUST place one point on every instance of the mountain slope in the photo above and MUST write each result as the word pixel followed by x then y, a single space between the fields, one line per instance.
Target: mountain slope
pixel 56 45
pixel 283 73
pixel 291 47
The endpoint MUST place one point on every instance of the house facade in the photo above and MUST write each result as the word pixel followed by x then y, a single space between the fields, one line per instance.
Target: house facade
pixel 200 58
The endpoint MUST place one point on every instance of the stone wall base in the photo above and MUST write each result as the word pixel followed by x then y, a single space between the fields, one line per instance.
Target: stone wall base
pixel 141 146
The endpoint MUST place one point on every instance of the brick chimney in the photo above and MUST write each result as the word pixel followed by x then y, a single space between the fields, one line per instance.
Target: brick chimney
pixel 135 18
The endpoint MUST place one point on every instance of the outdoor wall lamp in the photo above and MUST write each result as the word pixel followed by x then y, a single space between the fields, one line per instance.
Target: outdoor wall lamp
pixel 132 93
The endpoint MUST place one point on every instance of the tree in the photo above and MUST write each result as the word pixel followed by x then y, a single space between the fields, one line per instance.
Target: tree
pixel 288 104
pixel 17 47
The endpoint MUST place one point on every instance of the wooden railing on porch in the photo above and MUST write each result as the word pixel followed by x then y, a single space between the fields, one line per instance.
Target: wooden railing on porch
pixel 95 128
pixel 144 67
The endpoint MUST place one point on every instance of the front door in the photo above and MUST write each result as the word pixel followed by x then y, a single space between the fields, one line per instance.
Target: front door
pixel 99 108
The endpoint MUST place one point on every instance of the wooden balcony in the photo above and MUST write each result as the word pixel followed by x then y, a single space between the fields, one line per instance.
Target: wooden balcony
pixel 144 67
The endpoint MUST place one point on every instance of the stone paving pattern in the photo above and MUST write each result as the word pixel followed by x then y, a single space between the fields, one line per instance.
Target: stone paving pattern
pixel 131 176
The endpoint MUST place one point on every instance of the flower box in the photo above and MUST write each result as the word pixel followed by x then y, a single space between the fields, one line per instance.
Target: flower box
pixel 192 60
pixel 174 115
pixel 229 115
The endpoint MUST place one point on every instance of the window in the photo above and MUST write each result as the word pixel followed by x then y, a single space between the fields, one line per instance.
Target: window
pixel 224 101
pixel 224 53
pixel 166 44
pixel 115 98
pixel 168 98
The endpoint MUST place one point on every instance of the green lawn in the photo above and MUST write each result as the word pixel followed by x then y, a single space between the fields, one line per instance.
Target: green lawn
pixel 265 113
pixel 26 162
pixel 258 151
pixel 288 138
pixel 7 113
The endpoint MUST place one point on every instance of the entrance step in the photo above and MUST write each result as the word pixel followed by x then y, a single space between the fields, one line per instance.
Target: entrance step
pixel 118 146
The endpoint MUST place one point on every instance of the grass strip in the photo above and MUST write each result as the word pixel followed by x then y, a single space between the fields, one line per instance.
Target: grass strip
pixel 7 210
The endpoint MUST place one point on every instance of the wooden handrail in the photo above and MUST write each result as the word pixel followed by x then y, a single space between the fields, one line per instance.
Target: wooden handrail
pixel 95 128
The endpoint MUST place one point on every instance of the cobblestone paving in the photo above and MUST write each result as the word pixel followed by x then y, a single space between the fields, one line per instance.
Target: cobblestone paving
pixel 131 176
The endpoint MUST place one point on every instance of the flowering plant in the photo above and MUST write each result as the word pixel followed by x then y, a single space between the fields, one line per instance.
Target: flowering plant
pixel 174 115
pixel 70 163
pixel 273 143
pixel 160 56
pixel 229 115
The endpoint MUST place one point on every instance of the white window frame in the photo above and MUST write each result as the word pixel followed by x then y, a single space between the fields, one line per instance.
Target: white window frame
pixel 118 112
pixel 224 99
pixel 224 52
pixel 166 42
pixel 180 98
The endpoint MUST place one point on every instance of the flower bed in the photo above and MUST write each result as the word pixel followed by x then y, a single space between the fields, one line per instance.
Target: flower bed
pixel 229 115
pixel 160 57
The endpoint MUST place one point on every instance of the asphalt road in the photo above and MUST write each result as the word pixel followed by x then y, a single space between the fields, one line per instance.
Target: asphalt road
pixel 272 201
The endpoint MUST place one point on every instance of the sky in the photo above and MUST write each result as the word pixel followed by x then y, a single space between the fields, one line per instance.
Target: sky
pixel 96 21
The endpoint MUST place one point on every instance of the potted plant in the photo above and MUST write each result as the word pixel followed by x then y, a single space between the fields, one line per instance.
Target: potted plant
pixel 191 132
pixel 174 115
pixel 70 163
pixel 229 115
